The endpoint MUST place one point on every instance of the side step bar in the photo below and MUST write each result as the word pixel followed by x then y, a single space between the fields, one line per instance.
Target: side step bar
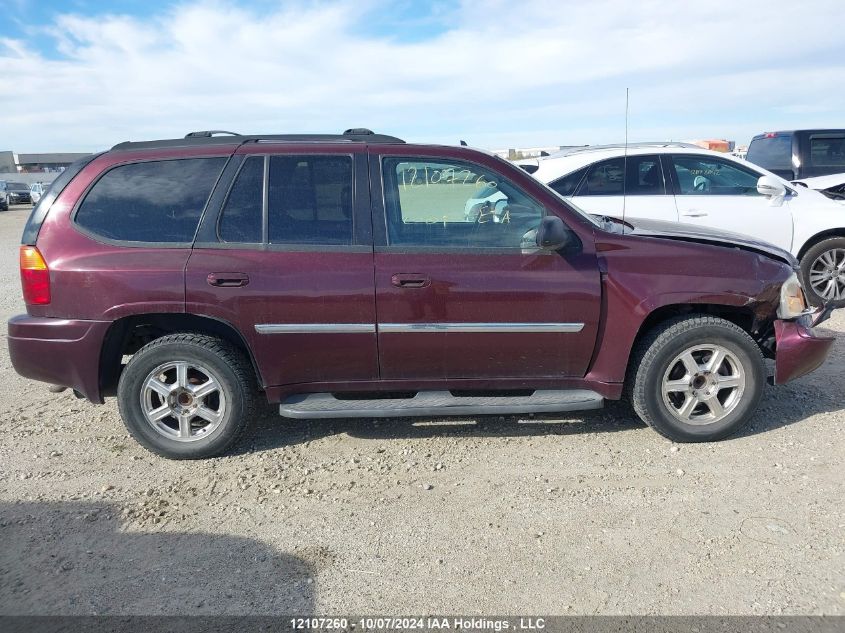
pixel 313 406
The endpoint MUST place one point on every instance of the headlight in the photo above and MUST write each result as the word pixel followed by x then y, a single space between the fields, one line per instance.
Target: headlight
pixel 792 300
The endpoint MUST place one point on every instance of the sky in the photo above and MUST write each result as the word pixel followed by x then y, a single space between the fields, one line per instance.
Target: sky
pixel 82 75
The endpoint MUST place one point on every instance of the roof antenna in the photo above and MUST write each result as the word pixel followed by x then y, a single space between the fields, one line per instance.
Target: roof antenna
pixel 625 164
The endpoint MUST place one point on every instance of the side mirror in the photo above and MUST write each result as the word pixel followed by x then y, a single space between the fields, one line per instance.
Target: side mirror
pixel 553 235
pixel 771 188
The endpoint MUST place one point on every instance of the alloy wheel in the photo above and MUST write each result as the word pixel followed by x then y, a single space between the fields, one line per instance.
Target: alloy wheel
pixel 703 384
pixel 183 401
pixel 827 275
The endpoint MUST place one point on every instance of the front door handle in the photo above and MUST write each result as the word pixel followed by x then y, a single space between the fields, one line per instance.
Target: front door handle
pixel 694 213
pixel 410 280
pixel 228 280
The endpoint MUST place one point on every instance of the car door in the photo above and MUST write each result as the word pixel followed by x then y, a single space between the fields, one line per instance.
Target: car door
pixel 288 261
pixel 722 194
pixel 642 195
pixel 461 289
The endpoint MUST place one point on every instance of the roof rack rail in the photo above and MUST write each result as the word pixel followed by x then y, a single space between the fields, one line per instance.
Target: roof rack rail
pixel 222 137
pixel 594 148
pixel 209 133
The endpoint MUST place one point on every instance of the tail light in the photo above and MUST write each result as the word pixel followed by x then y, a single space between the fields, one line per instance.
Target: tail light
pixel 35 277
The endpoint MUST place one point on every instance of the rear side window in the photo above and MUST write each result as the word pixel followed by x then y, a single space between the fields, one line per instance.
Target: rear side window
pixel 827 150
pixel 603 179
pixel 771 152
pixel 644 177
pixel 241 220
pixel 310 200
pixel 153 202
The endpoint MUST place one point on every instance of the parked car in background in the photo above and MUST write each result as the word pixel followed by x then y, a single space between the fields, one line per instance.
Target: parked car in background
pixel 36 190
pixel 808 158
pixel 312 268
pixel 17 193
pixel 684 183
pixel 4 200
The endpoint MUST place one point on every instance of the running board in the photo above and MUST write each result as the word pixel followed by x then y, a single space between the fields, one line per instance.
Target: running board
pixel 436 403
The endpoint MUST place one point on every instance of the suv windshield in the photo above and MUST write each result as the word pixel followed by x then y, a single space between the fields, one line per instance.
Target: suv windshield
pixel 16 186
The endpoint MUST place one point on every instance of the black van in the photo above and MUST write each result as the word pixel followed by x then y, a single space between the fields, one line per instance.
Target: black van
pixel 799 154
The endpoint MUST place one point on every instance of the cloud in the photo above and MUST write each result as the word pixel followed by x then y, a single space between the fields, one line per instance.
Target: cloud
pixel 496 73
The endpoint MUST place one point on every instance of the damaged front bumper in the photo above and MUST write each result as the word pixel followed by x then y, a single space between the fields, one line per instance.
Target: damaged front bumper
pixel 798 350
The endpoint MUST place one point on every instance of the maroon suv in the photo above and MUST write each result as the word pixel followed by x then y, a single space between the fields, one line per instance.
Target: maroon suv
pixel 356 275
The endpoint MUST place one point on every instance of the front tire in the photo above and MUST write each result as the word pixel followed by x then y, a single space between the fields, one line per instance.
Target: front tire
pixel 823 272
pixel 187 396
pixel 696 378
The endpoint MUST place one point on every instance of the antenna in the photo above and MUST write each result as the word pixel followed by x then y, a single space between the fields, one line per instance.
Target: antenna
pixel 625 164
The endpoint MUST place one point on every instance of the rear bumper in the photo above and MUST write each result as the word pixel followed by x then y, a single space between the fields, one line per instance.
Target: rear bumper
pixel 798 350
pixel 59 351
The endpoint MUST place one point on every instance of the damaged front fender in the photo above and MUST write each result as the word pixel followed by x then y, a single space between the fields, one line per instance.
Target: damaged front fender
pixel 798 350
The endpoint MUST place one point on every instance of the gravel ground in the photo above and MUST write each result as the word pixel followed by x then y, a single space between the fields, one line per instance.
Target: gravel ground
pixel 588 514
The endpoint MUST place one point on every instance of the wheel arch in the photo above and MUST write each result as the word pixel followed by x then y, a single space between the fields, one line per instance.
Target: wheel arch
pixel 128 334
pixel 820 237
pixel 741 316
pixel 612 362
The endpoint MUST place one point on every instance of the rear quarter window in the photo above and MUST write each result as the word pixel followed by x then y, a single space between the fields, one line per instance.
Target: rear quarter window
pixel 150 202
pixel 567 185
pixel 36 218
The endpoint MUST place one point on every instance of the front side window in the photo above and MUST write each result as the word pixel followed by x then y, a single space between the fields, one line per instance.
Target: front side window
pixel 644 177
pixel 453 204
pixel 156 201
pixel 706 176
pixel 310 200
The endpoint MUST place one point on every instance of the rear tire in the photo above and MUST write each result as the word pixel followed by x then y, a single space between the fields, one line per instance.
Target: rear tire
pixel 187 396
pixel 823 272
pixel 696 378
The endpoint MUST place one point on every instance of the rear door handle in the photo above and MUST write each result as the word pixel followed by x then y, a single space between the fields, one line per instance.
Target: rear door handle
pixel 410 280
pixel 228 280
pixel 694 213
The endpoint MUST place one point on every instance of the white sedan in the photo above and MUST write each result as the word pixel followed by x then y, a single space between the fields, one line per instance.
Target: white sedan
pixel 37 190
pixel 684 183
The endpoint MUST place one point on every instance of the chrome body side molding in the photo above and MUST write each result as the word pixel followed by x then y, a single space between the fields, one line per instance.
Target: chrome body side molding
pixel 357 328
pixel 481 327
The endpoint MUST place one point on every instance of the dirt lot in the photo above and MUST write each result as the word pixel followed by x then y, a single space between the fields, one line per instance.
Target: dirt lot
pixel 582 515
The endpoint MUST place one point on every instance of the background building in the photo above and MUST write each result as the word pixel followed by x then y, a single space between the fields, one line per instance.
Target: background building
pixel 717 145
pixel 516 153
pixel 30 168
pixel 7 163
pixel 40 163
